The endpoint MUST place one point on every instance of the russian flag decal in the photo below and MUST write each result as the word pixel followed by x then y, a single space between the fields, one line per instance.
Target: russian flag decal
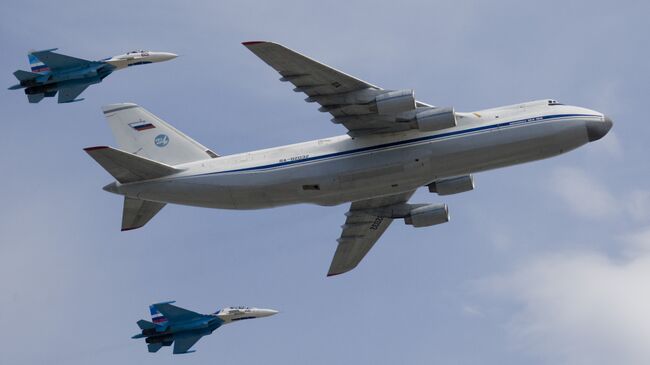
pixel 141 125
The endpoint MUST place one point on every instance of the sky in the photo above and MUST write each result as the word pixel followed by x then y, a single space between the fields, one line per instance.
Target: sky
pixel 543 263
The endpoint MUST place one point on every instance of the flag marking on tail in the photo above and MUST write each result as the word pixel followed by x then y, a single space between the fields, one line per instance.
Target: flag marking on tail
pixel 36 64
pixel 141 125
pixel 156 316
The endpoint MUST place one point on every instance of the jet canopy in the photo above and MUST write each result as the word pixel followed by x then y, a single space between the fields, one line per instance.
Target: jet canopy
pixel 232 309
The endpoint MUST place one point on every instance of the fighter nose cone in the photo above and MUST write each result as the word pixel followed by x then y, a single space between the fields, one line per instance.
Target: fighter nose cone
pixel 598 130
pixel 166 56
pixel 266 312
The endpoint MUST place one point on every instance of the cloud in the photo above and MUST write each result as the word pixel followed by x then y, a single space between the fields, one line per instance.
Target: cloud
pixel 587 197
pixel 584 306
pixel 581 307
pixel 638 205
pixel 584 195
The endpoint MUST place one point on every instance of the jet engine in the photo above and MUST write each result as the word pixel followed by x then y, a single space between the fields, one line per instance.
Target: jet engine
pixel 395 102
pixel 428 215
pixel 452 185
pixel 434 119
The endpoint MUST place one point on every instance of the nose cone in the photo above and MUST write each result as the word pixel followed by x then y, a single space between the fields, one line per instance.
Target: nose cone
pixel 164 56
pixel 598 129
pixel 265 312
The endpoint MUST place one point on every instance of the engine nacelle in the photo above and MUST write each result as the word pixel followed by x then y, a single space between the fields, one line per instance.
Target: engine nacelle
pixel 452 185
pixel 428 215
pixel 435 119
pixel 395 102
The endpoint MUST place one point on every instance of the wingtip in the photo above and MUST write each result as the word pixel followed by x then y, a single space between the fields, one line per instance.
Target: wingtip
pixel 88 149
pixel 130 228
pixel 250 43
pixel 334 273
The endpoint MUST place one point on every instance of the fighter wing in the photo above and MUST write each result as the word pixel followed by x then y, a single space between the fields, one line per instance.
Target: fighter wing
pixel 362 107
pixel 68 94
pixel 184 342
pixel 174 313
pixel 56 61
pixel 361 230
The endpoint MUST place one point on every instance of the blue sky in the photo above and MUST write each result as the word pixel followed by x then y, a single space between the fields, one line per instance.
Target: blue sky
pixel 543 263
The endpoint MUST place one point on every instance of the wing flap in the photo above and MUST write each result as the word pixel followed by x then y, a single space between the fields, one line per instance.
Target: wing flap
pixel 307 75
pixel 362 230
pixel 361 107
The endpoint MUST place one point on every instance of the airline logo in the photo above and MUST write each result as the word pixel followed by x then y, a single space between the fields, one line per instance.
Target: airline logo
pixel 141 125
pixel 161 140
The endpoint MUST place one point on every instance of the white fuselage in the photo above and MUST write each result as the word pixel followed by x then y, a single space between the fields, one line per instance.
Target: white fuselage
pixel 135 58
pixel 341 169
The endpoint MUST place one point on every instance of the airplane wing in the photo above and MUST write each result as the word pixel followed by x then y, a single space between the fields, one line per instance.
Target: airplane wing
pixel 68 94
pixel 183 342
pixel 361 230
pixel 174 313
pixel 56 61
pixel 351 101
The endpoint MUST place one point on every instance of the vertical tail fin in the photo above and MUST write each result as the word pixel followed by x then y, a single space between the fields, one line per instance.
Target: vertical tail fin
pixel 156 317
pixel 154 347
pixel 36 64
pixel 142 133
pixel 35 98
pixel 136 213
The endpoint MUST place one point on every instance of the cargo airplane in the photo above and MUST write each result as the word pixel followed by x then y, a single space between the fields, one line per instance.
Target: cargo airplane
pixel 395 144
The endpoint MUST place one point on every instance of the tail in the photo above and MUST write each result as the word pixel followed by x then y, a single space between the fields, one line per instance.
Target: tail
pixel 154 347
pixel 143 134
pixel 126 168
pixel 145 325
pixel 36 64
pixel 157 318
pixel 26 79
pixel 25 75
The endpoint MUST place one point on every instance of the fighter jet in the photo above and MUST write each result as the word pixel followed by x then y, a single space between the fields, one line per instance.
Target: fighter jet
pixel 171 324
pixel 395 144
pixel 70 76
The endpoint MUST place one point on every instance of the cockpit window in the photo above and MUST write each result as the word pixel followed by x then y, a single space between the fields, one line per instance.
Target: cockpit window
pixel 554 102
pixel 140 51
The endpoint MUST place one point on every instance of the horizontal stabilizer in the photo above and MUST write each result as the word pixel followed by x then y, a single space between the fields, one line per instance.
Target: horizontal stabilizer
pixel 25 75
pixel 127 167
pixel 137 213
pixel 154 347
pixel 145 325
